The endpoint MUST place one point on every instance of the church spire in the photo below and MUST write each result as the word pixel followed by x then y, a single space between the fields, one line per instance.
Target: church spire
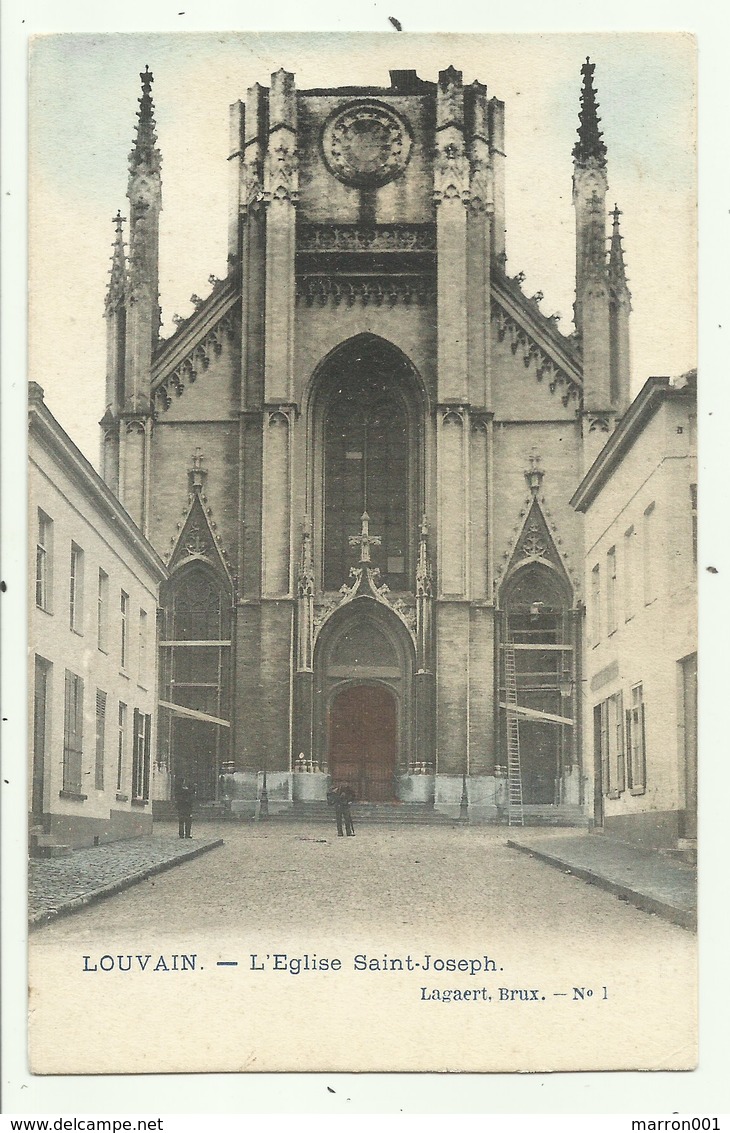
pixel 619 311
pixel 117 278
pixel 142 309
pixel 590 144
pixel 616 265
pixel 145 154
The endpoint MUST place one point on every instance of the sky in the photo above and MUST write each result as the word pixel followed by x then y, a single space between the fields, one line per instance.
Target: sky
pixel 83 101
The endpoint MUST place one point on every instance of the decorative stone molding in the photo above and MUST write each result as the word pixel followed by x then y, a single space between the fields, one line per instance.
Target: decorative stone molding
pixel 282 174
pixel 252 185
pixel 384 238
pixel 376 291
pixel 365 583
pixel 453 415
pixel 281 415
pixel 535 538
pixel 533 354
pixel 451 171
pixel 186 371
pixel 196 537
pixel 598 422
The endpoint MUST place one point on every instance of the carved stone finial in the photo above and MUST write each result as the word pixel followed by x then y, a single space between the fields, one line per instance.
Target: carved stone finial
pixel 145 156
pixel 534 473
pixel 365 540
pixel 590 144
pixel 197 473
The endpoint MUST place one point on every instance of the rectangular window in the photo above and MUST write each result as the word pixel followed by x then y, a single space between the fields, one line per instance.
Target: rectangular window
pixel 141 756
pixel 100 730
pixel 124 629
pixel 596 604
pixel 611 623
pixel 76 590
pixel 73 728
pixel 102 611
pixel 636 741
pixel 629 568
pixel 44 562
pixel 121 744
pixel 142 654
pixel 693 509
pixel 649 550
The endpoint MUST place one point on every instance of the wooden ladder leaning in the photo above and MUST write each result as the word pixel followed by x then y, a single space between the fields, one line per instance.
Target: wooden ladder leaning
pixel 515 810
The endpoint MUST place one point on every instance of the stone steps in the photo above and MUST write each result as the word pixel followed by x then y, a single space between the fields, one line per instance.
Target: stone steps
pixel 46 846
pixel 395 813
pixel 563 814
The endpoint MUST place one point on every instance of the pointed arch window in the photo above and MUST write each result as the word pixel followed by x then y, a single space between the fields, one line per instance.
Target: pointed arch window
pixel 195 664
pixel 195 644
pixel 368 435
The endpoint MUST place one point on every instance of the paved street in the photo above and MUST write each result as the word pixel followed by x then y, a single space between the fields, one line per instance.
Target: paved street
pixel 277 877
pixel 391 891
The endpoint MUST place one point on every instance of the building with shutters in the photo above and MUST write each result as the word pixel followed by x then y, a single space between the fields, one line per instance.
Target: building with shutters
pixel 356 456
pixel 639 499
pixel 93 650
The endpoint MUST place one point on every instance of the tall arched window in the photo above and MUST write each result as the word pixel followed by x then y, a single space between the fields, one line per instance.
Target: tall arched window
pixel 195 649
pixel 370 428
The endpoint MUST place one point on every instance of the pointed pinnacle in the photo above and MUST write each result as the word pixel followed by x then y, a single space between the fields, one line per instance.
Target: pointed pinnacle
pixel 118 270
pixel 616 266
pixel 590 142
pixel 145 152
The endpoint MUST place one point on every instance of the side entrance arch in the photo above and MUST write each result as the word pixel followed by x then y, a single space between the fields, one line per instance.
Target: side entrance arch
pixel 363 740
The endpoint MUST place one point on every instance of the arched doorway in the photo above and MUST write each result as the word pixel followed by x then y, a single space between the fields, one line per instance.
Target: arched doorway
pixel 537 630
pixel 363 740
pixel 363 711
pixel 366 431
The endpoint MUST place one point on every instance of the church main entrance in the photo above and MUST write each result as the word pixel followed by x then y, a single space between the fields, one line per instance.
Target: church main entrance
pixel 362 741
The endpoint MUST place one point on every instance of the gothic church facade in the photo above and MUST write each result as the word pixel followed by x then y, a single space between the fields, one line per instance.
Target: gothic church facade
pixel 356 456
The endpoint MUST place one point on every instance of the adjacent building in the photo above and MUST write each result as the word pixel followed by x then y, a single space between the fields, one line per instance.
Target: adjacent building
pixel 639 499
pixel 93 645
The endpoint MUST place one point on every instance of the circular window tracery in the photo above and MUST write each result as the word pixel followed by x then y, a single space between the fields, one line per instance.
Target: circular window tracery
pixel 366 144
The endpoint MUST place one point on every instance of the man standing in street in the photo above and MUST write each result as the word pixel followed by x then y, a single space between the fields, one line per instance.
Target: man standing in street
pixel 184 799
pixel 341 797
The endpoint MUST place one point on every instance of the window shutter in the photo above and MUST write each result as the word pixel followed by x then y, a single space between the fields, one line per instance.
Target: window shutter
pixel 146 775
pixel 642 754
pixel 629 760
pixel 620 747
pixel 605 761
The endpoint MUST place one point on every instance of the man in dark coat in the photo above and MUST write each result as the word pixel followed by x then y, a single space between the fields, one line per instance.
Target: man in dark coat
pixel 184 796
pixel 341 796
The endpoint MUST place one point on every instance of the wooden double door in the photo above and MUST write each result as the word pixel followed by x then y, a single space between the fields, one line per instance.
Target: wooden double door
pixel 363 741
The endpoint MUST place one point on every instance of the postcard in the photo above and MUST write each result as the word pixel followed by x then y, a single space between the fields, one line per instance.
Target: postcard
pixel 363 551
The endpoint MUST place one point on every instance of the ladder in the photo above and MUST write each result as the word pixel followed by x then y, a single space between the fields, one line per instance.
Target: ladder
pixel 515 811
